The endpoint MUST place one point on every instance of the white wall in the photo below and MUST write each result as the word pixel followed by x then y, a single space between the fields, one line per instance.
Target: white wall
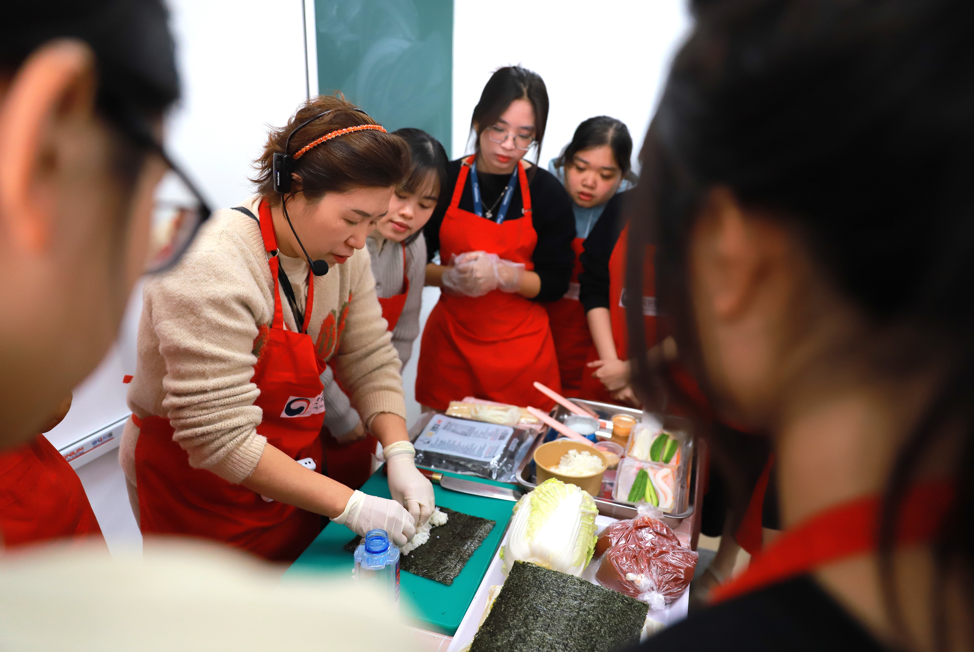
pixel 596 58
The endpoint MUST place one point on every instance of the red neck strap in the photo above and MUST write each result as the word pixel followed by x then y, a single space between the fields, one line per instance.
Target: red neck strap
pixel 842 532
pixel 522 179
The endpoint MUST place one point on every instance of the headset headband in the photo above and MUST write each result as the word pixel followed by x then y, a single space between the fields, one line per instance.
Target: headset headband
pixel 282 165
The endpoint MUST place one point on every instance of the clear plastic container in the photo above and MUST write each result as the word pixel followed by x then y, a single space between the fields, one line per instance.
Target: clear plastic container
pixel 613 454
pixel 653 445
pixel 665 479
pixel 377 562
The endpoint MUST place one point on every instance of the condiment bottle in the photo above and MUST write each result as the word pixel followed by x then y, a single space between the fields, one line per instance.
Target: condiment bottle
pixel 377 562
pixel 622 425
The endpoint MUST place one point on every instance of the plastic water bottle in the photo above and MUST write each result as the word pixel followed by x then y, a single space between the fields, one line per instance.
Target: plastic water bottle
pixel 377 562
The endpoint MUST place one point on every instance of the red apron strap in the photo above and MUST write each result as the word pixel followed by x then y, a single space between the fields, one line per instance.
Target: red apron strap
pixel 461 181
pixel 525 195
pixel 267 227
pixel 311 301
pixel 278 322
pixel 842 532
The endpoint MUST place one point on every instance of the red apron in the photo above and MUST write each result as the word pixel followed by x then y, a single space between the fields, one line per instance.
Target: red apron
pixel 352 464
pixel 495 346
pixel 569 329
pixel 841 532
pixel 41 497
pixel 592 388
pixel 175 498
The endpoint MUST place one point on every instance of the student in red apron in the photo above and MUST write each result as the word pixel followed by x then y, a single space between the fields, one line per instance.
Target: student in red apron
pixel 397 250
pixel 789 172
pixel 504 245
pixel 227 397
pixel 41 497
pixel 593 167
pixel 603 295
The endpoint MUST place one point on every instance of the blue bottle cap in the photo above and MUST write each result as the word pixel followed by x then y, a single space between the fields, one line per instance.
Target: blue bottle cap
pixel 376 541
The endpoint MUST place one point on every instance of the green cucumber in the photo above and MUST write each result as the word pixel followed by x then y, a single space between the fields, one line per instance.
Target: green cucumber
pixel 670 451
pixel 651 496
pixel 639 486
pixel 657 448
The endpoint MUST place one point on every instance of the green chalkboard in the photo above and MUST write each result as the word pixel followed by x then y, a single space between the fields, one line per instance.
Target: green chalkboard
pixel 393 58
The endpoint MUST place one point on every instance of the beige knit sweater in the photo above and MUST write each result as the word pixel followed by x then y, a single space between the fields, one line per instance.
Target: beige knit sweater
pixel 197 345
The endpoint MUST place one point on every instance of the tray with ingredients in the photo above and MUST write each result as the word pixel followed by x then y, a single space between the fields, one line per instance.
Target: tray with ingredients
pixel 641 463
pixel 569 578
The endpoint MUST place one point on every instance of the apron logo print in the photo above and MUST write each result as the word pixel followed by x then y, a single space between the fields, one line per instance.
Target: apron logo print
pixel 649 304
pixel 299 406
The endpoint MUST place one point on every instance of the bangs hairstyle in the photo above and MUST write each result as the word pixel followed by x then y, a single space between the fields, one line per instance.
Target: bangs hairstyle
pixel 428 160
pixel 363 159
pixel 596 132
pixel 504 86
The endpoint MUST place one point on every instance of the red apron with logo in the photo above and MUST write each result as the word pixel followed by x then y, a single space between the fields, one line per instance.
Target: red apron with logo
pixel 495 346
pixel 569 329
pixel 175 498
pixel 42 498
pixel 592 388
pixel 352 464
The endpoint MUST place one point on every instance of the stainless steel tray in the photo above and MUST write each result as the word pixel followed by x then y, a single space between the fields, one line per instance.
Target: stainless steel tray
pixel 613 508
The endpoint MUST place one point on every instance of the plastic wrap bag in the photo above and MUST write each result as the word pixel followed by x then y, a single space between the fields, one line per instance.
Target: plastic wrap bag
pixel 471 447
pixel 642 558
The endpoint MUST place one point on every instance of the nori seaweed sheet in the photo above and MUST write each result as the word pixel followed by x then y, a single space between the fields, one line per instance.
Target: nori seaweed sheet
pixel 449 547
pixel 540 610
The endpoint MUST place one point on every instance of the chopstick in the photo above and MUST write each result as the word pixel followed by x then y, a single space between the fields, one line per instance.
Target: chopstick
pixel 560 427
pixel 580 410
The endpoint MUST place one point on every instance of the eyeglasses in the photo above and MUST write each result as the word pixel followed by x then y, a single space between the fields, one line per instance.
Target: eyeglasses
pixel 178 208
pixel 499 135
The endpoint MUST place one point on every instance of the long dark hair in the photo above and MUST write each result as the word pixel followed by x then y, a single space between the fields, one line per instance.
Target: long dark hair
pixel 427 157
pixel 504 86
pixel 596 132
pixel 851 122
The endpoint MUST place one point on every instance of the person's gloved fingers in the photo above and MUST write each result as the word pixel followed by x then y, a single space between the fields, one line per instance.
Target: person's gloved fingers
pixel 425 510
pixel 415 510
pixel 409 527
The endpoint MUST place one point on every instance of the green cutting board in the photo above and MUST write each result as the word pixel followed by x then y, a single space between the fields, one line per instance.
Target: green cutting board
pixel 439 607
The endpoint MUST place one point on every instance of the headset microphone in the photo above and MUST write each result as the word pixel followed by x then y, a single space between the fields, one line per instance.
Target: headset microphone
pixel 282 167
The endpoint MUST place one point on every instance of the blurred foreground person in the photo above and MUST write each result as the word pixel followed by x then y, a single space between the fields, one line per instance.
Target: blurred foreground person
pixel 807 183
pixel 83 87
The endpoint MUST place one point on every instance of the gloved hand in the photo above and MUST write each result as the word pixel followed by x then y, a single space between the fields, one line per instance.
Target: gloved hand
pixel 364 513
pixel 476 273
pixel 406 484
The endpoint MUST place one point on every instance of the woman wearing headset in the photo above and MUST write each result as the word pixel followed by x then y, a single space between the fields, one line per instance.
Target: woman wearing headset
pixel 505 243
pixel 227 397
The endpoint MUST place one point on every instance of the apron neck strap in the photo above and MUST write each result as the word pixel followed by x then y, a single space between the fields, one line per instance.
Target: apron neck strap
pixel 462 181
pixel 267 227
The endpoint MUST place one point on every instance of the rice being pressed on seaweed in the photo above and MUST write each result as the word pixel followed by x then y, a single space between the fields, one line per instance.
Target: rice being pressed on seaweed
pixel 448 549
pixel 539 610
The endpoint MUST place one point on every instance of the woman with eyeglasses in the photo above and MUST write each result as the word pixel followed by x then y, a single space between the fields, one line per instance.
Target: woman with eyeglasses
pixel 504 245
pixel 594 166
pixel 227 398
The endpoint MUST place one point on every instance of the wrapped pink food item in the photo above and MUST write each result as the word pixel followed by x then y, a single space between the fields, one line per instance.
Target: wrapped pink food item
pixel 642 558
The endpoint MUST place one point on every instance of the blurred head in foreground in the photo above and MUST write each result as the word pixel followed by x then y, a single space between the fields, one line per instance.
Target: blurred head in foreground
pixel 807 181
pixel 83 86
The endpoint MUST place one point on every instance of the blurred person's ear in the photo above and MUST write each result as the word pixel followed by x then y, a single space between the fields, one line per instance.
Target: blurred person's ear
pixel 44 101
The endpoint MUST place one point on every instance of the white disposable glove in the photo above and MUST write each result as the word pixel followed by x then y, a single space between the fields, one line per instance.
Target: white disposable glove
pixel 406 483
pixel 476 273
pixel 364 512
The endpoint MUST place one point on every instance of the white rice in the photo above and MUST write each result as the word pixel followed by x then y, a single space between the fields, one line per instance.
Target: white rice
pixel 422 535
pixel 578 463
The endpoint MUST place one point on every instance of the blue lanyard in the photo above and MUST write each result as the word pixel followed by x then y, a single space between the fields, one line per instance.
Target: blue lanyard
pixel 478 207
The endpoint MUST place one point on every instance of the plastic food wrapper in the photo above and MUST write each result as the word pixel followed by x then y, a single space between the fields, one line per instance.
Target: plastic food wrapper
pixel 648 443
pixel 486 450
pixel 642 558
pixel 650 482
pixel 491 412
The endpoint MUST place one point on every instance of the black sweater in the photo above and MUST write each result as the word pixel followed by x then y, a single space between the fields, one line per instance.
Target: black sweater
pixel 552 216
pixel 594 280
